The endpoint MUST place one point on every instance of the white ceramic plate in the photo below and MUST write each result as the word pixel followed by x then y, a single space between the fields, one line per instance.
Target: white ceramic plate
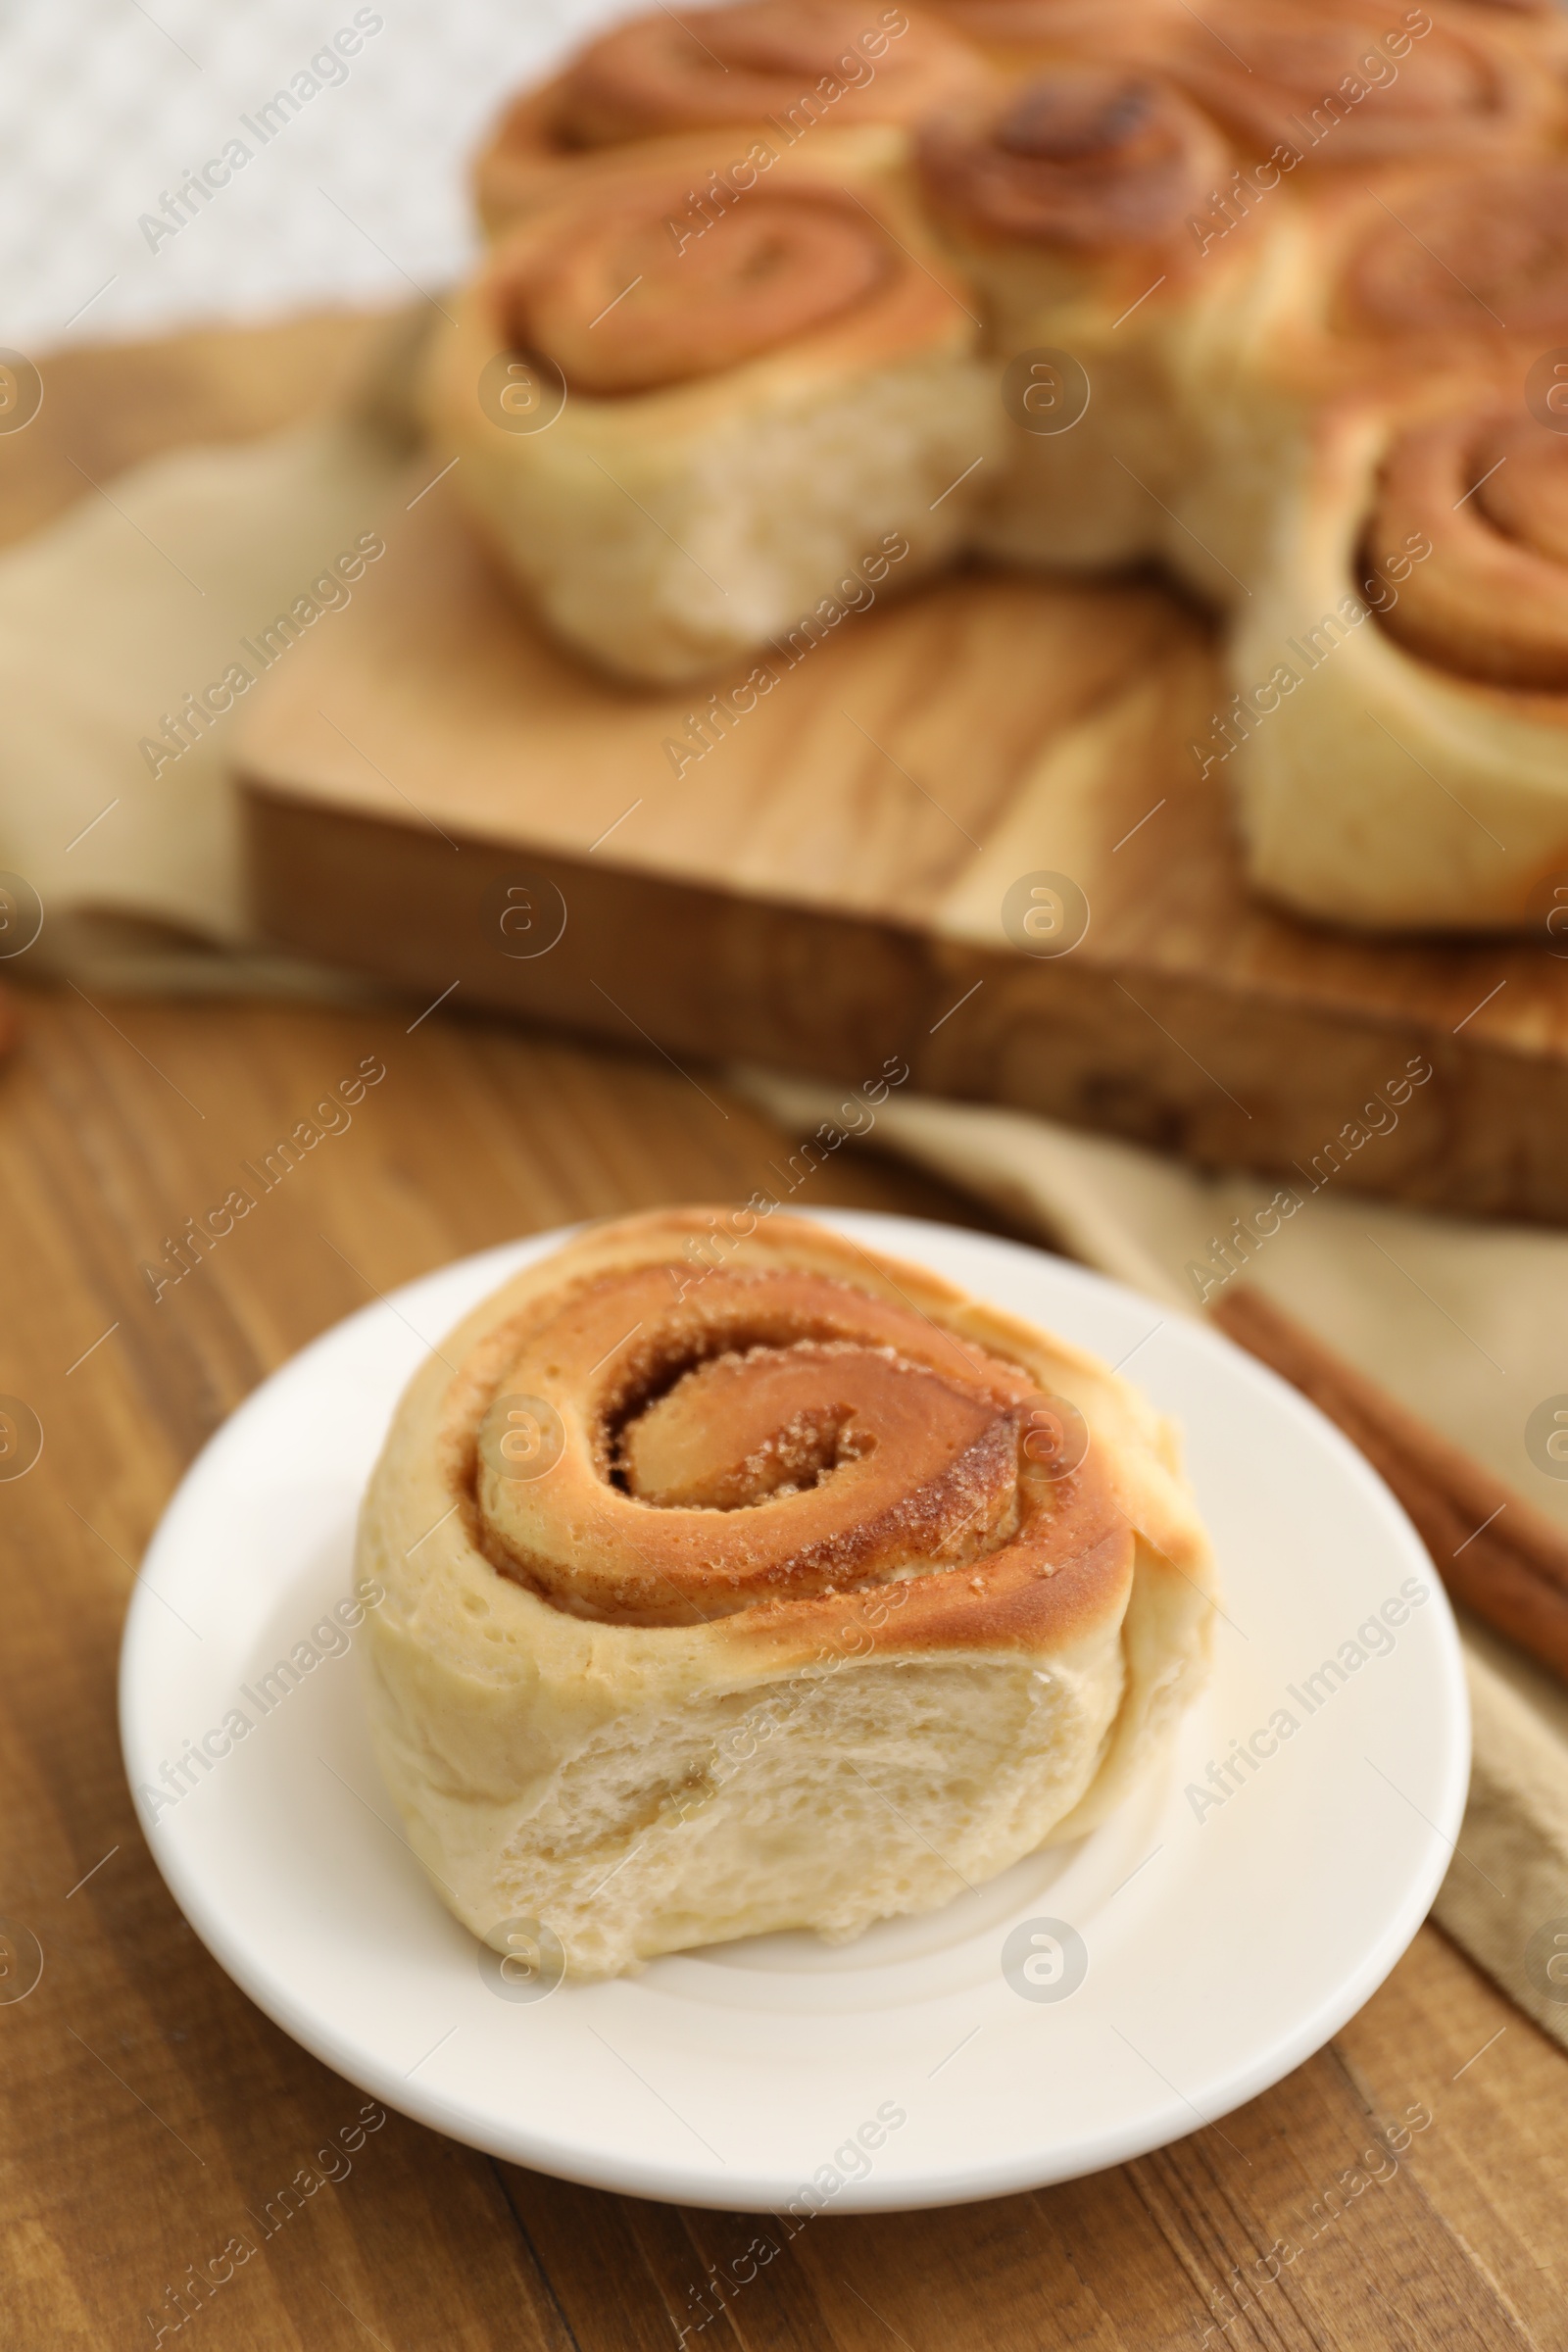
pixel 1225 1940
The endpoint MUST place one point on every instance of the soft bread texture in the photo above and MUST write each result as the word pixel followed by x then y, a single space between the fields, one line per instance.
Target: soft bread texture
pixel 794 389
pixel 1384 543
pixel 1066 203
pixel 716 1673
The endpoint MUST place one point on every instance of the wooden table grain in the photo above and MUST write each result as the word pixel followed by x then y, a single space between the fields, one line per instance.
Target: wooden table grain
pixel 1402 2190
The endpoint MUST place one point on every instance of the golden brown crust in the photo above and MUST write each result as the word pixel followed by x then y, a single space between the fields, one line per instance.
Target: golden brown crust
pixel 1093 158
pixel 1537 30
pixel 1486 488
pixel 541 1758
pixel 1462 263
pixel 531 131
pixel 601 285
pixel 1025 33
pixel 774 1445
pixel 521 159
pixel 1334 84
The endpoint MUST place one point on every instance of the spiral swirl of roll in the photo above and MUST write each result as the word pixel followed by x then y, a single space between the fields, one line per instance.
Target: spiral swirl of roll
pixel 700 1507
pixel 748 1439
pixel 1487 490
pixel 1482 258
pixel 799 60
pixel 1317 77
pixel 1091 157
pixel 601 288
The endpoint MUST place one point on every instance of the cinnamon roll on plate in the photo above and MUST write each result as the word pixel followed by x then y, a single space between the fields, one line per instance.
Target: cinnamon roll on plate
pixel 782 70
pixel 709 426
pixel 1066 202
pixel 739 1581
pixel 1401 723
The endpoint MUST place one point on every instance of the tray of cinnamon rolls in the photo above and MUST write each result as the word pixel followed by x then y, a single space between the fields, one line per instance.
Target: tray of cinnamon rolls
pixel 1274 298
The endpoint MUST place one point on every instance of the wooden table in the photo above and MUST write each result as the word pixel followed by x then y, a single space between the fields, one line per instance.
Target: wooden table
pixel 149 2110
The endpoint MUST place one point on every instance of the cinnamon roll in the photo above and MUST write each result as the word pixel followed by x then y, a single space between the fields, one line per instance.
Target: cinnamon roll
pixel 736 414
pixel 1066 201
pixel 738 1580
pixel 1431 275
pixel 1407 762
pixel 777 69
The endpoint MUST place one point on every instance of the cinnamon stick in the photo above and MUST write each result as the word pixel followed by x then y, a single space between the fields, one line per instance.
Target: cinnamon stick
pixel 1496 1554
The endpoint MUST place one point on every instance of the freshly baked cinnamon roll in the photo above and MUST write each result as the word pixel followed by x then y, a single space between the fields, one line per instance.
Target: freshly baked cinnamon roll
pixel 1086 160
pixel 781 68
pixel 1066 201
pixel 1434 275
pixel 738 1580
pixel 753 403
pixel 1401 735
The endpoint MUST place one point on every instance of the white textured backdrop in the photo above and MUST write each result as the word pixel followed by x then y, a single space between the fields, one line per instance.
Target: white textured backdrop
pixel 106 105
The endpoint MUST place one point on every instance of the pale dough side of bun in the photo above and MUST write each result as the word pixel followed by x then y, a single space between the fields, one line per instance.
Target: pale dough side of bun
pixel 1380 791
pixel 824 1763
pixel 666 532
pixel 1089 494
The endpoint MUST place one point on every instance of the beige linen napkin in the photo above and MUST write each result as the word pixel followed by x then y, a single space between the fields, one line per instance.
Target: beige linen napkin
pixel 1466 1324
pixel 146 594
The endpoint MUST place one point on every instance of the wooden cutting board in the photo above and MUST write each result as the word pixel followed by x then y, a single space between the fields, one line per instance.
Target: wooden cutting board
pixel 819 882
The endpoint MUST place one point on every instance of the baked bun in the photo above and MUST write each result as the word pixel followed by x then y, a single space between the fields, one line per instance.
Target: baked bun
pixel 753 407
pixel 1067 200
pixel 1409 765
pixel 1431 277
pixel 739 1579
pixel 777 69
